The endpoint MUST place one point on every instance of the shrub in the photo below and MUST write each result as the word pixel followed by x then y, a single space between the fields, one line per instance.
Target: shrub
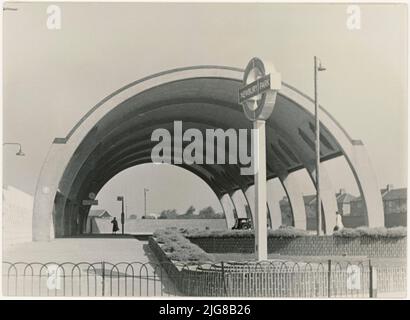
pixel 192 233
pixel 287 232
pixel 179 248
pixel 283 232
pixel 381 232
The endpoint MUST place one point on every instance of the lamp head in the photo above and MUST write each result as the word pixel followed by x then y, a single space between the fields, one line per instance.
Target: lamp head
pixel 321 68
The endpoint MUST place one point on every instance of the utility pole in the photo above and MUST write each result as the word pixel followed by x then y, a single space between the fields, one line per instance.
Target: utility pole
pixel 318 67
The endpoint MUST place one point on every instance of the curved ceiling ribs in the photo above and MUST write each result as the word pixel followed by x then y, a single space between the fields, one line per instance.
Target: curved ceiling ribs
pixel 116 134
pixel 121 139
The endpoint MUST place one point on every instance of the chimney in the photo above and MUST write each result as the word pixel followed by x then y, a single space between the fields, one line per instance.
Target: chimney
pixel 389 187
pixel 340 193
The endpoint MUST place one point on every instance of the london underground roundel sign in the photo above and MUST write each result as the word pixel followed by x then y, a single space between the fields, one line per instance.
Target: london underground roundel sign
pixel 258 93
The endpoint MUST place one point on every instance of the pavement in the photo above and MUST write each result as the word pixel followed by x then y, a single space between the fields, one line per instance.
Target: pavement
pixel 114 250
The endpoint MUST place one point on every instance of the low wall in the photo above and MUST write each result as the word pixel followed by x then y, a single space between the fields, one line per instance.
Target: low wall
pixel 278 278
pixel 309 246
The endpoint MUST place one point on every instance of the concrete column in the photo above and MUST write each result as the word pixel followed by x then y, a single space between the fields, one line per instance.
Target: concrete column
pixel 58 215
pixel 248 208
pixel 327 196
pixel 68 215
pixel 250 199
pixel 291 185
pixel 227 206
pixel 233 208
pixel 274 206
pixel 367 184
pixel 269 220
pixel 239 203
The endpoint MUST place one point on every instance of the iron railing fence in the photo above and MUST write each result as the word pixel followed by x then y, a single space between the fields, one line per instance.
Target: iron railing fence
pixel 233 279
pixel 86 279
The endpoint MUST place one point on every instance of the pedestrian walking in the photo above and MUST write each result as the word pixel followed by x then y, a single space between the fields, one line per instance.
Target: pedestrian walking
pixel 114 226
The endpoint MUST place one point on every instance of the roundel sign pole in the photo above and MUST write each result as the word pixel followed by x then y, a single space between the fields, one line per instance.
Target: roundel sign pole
pixel 257 96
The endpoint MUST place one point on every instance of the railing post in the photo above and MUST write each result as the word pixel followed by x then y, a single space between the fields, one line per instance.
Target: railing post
pixel 329 278
pixel 223 278
pixel 372 281
pixel 103 278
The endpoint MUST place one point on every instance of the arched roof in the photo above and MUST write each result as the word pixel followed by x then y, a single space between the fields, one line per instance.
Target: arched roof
pixel 122 138
pixel 116 133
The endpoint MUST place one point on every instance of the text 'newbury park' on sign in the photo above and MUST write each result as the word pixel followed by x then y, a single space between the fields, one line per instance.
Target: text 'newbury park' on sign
pixel 255 88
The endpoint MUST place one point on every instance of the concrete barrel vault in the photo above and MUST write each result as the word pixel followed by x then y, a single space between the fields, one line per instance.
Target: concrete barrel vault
pixel 115 135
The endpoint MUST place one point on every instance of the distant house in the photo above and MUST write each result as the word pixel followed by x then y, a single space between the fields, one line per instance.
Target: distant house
pixel 353 209
pixel 99 213
pixel 91 226
pixel 344 201
pixel 395 201
pixel 310 205
pixel 357 207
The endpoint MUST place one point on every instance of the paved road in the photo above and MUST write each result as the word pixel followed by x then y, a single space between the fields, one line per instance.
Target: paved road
pixel 109 279
pixel 78 250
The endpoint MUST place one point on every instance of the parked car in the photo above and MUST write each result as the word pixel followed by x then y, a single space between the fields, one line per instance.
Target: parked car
pixel 242 224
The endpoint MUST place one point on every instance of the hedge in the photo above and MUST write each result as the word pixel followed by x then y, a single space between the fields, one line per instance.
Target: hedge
pixel 283 232
pixel 290 232
pixel 179 248
pixel 381 232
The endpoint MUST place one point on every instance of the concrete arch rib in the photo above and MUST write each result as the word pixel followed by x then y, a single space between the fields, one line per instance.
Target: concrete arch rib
pixel 327 197
pixel 228 208
pixel 240 205
pixel 274 205
pixel 356 156
pixel 63 149
pixel 291 183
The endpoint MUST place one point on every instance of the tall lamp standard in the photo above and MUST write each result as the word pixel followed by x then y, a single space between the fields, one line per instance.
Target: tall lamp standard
pixel 121 198
pixel 145 202
pixel 318 67
pixel 19 152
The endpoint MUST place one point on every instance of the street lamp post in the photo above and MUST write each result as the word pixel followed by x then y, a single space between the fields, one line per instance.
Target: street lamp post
pixel 19 152
pixel 318 67
pixel 121 198
pixel 145 202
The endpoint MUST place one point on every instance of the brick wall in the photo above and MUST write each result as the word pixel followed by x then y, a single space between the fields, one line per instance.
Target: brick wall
pixel 310 246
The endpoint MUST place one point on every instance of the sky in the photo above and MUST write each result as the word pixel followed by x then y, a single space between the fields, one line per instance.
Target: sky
pixel 53 77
